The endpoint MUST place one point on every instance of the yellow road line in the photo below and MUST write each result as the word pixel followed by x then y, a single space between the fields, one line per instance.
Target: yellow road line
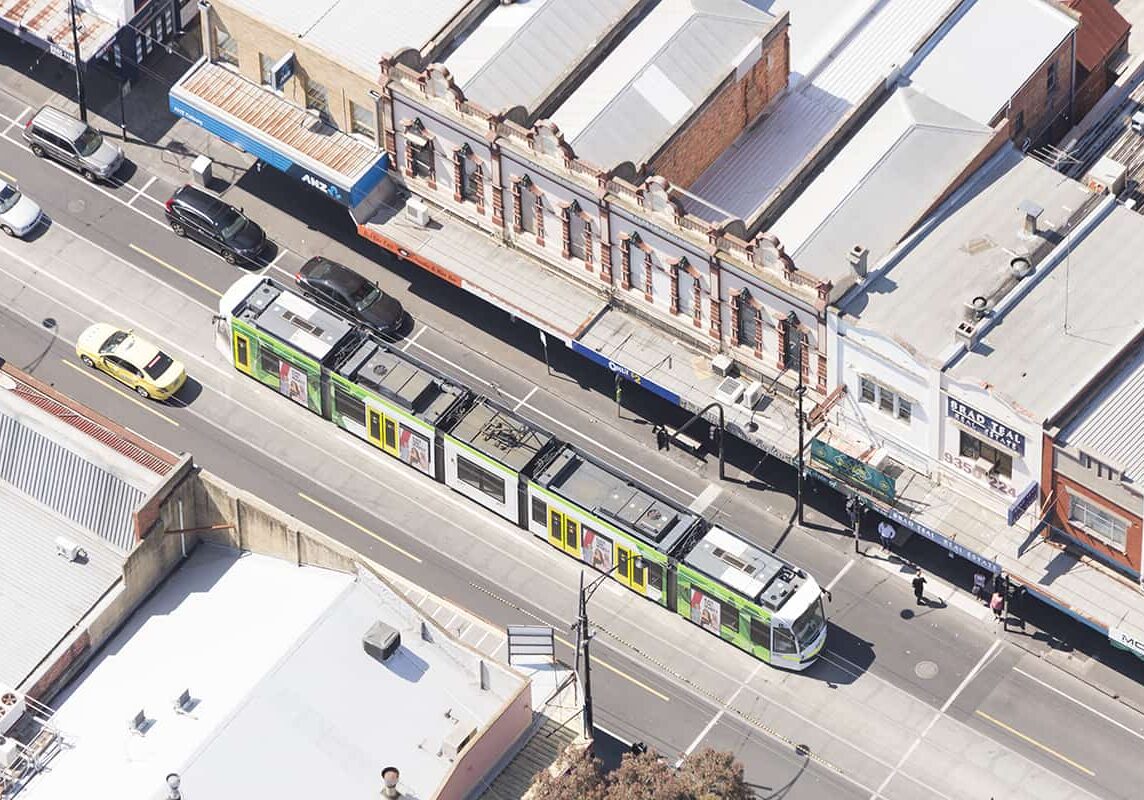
pixel 125 395
pixel 7 177
pixel 176 270
pixel 1035 743
pixel 361 528
pixel 598 663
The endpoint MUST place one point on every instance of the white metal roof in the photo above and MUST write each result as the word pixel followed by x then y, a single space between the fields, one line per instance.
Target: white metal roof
pixel 990 53
pixel 518 54
pixel 920 297
pixel 880 184
pixel 289 704
pixel 655 78
pixel 765 157
pixel 1030 357
pixel 1110 427
pixel 357 32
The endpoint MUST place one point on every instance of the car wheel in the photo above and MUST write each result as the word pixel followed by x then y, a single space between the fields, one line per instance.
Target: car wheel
pixel 178 229
pixel 87 361
pixel 230 257
pixel 7 230
pixel 89 176
pixel 37 151
pixel 143 392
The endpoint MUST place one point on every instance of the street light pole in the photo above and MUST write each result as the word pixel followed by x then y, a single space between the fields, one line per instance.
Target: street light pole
pixel 793 330
pixel 81 97
pixel 584 637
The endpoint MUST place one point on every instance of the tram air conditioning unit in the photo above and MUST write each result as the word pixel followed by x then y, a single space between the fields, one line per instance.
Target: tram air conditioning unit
pixel 12 707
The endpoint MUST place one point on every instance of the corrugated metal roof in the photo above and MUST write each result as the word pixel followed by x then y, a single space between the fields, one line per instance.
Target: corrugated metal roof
pixel 767 156
pixel 1109 427
pixel 42 595
pixel 990 53
pixel 899 163
pixel 520 52
pixel 63 480
pixel 1101 30
pixel 50 20
pixel 656 77
pixel 358 33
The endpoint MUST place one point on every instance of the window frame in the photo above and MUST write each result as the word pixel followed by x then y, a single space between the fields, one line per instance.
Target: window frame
pixel 359 129
pixel 982 449
pixel 266 70
pixel 345 400
pixel 481 473
pixel 1092 509
pixel 226 47
pixel 901 408
pixel 321 92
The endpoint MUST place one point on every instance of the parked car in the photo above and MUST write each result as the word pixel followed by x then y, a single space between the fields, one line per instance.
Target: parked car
pixel 132 361
pixel 344 290
pixel 18 212
pixel 201 216
pixel 54 134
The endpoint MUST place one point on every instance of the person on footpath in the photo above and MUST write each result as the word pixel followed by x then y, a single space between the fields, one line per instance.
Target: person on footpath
pixel 979 585
pixel 661 438
pixel 998 605
pixel 886 533
pixel 919 582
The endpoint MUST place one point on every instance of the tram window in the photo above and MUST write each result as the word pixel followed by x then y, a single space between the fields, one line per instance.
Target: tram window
pixel 480 478
pixel 391 434
pixel 761 632
pixel 268 362
pixel 539 510
pixel 784 641
pixel 349 406
pixel 729 615
pixel 375 426
pixel 654 574
pixel 242 350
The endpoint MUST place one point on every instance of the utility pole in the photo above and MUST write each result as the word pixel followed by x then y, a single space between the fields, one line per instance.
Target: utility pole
pixel 81 97
pixel 793 330
pixel 584 636
pixel 854 512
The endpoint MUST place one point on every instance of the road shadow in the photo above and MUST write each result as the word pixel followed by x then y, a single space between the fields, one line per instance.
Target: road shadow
pixel 189 393
pixel 846 657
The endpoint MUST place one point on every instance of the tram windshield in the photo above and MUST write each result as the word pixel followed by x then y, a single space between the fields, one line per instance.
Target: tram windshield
pixel 808 626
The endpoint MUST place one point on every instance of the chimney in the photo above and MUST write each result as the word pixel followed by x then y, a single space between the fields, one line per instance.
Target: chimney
pixel 974 310
pixel 857 258
pixel 1031 212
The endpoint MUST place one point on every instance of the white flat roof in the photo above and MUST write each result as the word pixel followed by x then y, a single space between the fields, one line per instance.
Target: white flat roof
pixel 357 32
pixel 289 705
pixel 866 41
pixel 990 53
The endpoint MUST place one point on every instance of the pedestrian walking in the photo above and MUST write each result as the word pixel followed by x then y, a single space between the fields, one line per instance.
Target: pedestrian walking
pixel 919 582
pixel 886 533
pixel 979 585
pixel 998 605
pixel 661 438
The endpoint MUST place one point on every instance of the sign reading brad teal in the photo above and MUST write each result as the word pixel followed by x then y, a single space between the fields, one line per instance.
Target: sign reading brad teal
pixel 987 426
pixel 853 471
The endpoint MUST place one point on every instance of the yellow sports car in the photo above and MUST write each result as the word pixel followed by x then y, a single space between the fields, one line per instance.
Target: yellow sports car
pixel 131 361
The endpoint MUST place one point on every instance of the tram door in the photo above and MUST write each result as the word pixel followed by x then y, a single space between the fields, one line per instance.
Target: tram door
pixel 564 532
pixel 242 353
pixel 382 430
pixel 627 571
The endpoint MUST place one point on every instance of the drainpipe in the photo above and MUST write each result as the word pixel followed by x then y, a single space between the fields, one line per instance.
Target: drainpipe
pixel 207 29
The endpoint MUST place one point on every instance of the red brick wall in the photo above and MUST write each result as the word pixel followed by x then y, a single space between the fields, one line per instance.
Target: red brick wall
pixel 1033 97
pixel 1061 487
pixel 711 131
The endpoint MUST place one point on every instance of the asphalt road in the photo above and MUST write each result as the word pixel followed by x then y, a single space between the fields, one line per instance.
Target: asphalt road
pixel 930 654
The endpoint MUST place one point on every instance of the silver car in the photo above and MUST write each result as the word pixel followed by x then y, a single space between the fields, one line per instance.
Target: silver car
pixel 54 134
pixel 19 214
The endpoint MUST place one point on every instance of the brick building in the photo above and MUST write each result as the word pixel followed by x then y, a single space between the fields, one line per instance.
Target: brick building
pixel 1101 50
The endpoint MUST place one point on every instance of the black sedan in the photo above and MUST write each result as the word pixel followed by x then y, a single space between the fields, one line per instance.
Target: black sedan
pixel 201 216
pixel 347 292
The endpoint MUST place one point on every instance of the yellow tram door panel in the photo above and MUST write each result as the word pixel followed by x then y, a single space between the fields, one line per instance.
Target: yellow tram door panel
pixel 555 528
pixel 381 430
pixel 242 353
pixel 624 565
pixel 639 575
pixel 572 536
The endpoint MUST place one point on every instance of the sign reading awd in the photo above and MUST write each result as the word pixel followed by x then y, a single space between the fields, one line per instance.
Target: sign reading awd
pixel 987 426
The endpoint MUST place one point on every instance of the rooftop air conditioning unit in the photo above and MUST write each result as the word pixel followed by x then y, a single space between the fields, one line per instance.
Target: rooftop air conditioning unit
pixel 9 752
pixel 729 391
pixel 723 365
pixel 752 394
pixel 12 707
pixel 417 211
pixel 456 739
pixel 381 641
pixel 68 549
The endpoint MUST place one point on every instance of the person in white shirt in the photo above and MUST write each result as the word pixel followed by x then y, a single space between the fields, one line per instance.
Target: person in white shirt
pixel 886 533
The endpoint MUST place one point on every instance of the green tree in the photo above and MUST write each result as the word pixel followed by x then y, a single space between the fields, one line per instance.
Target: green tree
pixel 704 775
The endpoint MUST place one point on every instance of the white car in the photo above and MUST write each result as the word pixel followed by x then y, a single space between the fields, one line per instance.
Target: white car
pixel 18 213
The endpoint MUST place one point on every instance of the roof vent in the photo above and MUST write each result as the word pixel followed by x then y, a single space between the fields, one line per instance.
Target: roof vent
pixel 1031 213
pixel 975 309
pixel 966 332
pixel 1021 267
pixel 381 641
pixel 857 257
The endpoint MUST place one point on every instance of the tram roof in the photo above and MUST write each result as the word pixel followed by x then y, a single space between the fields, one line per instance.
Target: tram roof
pixel 617 499
pixel 399 377
pixel 500 434
pixel 306 327
pixel 745 567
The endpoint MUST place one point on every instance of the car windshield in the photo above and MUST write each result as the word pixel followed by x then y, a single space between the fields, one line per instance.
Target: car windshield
pixel 231 223
pixel 9 197
pixel 366 296
pixel 809 625
pixel 113 341
pixel 158 365
pixel 88 142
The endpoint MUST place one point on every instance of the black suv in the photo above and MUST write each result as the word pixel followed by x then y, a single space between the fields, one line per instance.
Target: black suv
pixel 347 292
pixel 221 227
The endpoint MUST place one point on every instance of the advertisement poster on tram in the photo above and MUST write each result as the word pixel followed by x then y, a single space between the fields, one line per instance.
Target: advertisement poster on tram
pixel 599 550
pixel 414 449
pixel 705 611
pixel 292 382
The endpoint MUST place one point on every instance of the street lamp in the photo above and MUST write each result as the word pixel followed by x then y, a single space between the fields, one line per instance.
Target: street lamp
pixel 81 98
pixel 793 330
pixel 584 637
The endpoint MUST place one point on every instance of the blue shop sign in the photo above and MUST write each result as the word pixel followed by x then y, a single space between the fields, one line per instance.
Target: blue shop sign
pixel 282 71
pixel 946 542
pixel 987 426
pixel 1022 503
pixel 626 373
pixel 347 196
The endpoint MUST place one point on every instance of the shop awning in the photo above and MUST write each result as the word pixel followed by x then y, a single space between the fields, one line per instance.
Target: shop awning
pixel 47 24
